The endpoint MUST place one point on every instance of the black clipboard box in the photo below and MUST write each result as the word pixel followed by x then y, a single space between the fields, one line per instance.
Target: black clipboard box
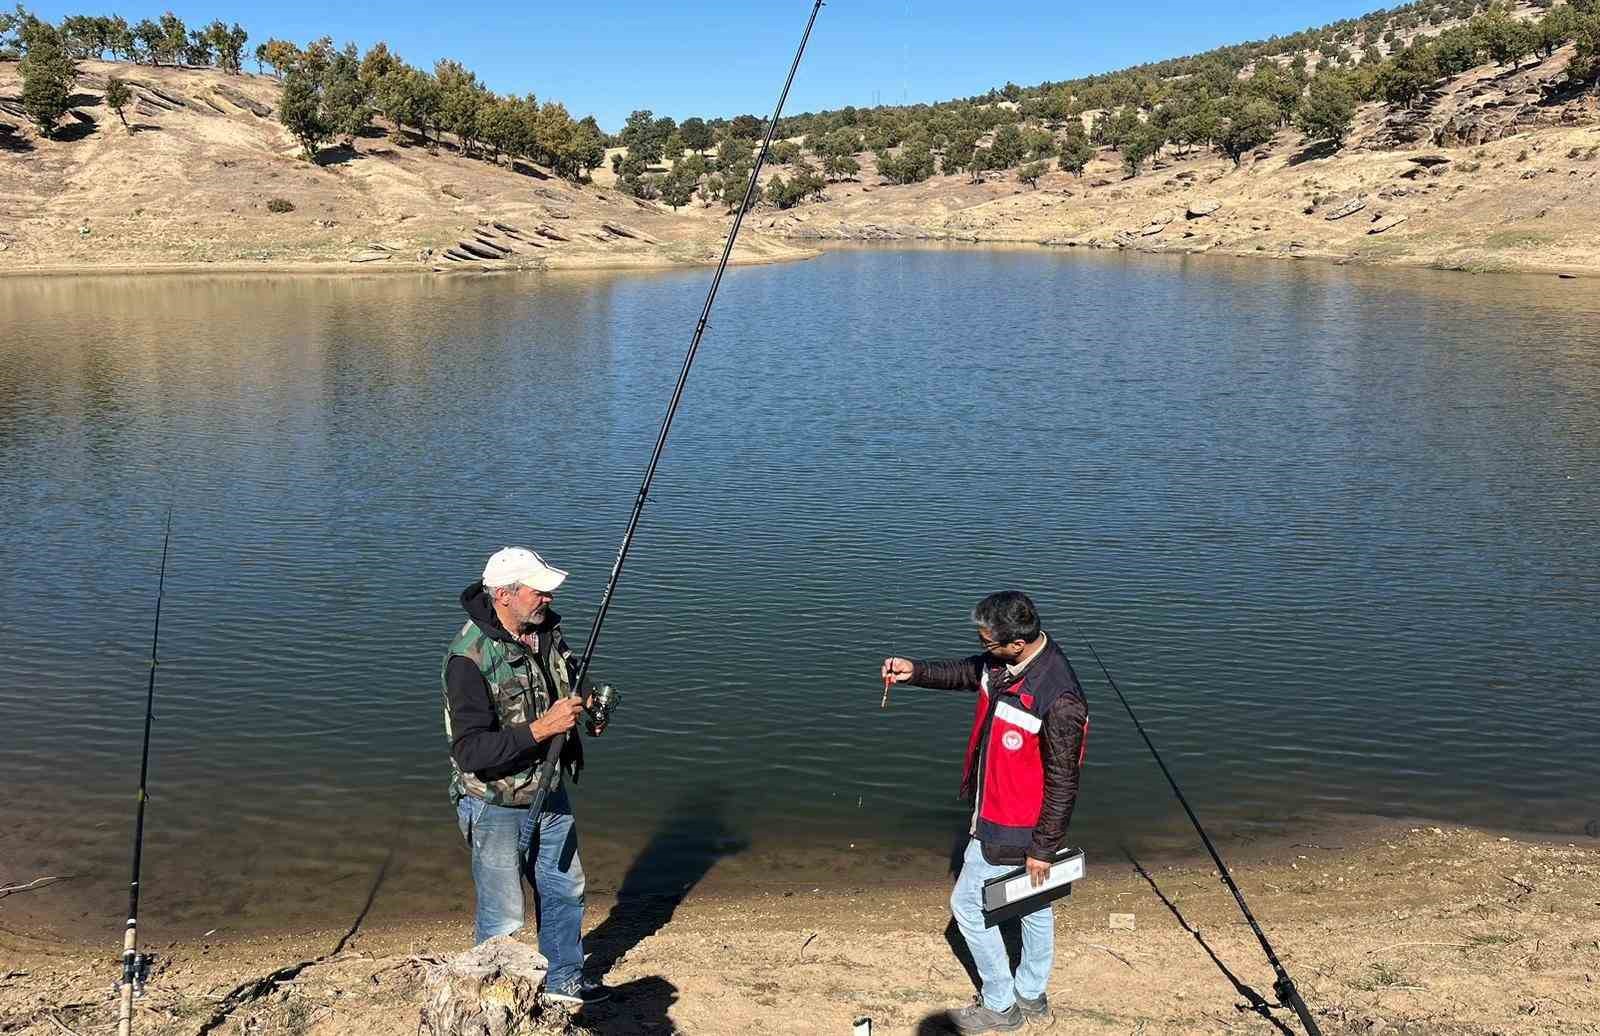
pixel 1012 894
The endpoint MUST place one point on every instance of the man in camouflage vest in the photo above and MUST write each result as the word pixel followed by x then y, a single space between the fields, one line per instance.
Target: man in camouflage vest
pixel 507 693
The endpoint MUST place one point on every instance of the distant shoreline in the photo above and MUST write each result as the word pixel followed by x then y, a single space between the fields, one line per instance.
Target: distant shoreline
pixel 813 247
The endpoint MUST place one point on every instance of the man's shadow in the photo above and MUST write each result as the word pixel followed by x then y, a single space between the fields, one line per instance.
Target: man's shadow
pixel 690 841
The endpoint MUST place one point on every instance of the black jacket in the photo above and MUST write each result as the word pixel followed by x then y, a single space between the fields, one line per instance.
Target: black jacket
pixel 481 746
pixel 1061 741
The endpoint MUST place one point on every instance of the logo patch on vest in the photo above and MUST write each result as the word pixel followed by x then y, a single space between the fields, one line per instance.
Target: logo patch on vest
pixel 1012 740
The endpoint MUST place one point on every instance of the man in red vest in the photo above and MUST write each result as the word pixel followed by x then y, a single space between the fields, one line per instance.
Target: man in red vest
pixel 1023 758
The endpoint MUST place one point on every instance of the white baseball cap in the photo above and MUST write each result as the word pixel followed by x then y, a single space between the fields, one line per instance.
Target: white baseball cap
pixel 521 565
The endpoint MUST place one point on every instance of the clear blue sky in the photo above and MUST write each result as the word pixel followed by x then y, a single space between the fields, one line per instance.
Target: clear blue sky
pixel 726 57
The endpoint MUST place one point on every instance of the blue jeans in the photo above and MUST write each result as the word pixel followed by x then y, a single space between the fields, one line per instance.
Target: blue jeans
pixel 505 848
pixel 1000 990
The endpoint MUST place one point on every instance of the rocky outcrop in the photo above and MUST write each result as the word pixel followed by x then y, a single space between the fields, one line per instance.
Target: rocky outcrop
pixel 1349 208
pixel 239 100
pixel 1202 208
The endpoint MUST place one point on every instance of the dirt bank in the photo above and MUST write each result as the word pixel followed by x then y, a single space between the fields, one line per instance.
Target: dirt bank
pixel 1389 928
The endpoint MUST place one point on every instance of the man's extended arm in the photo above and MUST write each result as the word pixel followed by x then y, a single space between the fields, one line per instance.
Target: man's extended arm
pixel 1061 746
pixel 956 674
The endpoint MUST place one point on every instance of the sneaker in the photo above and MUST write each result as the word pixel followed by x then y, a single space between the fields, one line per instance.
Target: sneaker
pixel 578 993
pixel 977 1018
pixel 1037 1012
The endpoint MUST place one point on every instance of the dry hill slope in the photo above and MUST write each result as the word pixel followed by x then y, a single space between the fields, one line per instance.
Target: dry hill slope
pixel 189 182
pixel 1499 169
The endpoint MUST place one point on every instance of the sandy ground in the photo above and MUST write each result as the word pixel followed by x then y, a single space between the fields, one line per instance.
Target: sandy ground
pixel 1394 927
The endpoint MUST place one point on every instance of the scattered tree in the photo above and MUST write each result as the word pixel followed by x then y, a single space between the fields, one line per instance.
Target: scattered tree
pixel 1030 173
pixel 1327 110
pixel 1248 126
pixel 118 97
pixel 47 73
pixel 300 111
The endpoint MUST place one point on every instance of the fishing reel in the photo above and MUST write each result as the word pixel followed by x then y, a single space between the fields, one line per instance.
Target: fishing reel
pixel 604 700
pixel 136 971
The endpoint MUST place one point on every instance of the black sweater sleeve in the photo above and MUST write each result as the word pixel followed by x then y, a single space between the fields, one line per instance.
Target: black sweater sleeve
pixel 477 741
pixel 1066 725
pixel 957 674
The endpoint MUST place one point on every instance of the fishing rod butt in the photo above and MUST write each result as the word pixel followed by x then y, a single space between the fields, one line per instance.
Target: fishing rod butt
pixel 1289 995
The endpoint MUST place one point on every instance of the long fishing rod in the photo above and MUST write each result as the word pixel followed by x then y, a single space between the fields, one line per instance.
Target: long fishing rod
pixel 553 756
pixel 1284 987
pixel 136 965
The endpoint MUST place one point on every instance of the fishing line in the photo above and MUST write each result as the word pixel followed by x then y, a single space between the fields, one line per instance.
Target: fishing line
pixel 1284 987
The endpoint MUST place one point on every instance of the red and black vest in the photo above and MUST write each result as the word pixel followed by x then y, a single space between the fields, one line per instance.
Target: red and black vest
pixel 1004 745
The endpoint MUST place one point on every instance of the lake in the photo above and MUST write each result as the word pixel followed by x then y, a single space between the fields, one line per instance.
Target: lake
pixel 1332 529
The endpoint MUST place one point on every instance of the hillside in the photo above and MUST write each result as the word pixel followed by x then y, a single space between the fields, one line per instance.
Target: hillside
pixel 188 183
pixel 1497 169
pixel 1483 163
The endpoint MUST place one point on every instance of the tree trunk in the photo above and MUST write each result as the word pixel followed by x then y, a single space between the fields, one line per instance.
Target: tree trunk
pixel 491 990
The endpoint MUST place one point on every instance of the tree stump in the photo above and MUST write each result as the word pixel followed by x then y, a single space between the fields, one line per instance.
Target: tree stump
pixel 491 990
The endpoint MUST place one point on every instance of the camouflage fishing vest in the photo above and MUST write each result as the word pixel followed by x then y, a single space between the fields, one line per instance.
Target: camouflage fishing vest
pixel 518 691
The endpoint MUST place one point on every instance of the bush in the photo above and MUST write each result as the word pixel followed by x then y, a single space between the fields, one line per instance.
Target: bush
pixel 280 205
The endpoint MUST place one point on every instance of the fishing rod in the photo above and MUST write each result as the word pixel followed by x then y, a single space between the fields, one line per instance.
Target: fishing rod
pixel 1284 987
pixel 552 758
pixel 136 965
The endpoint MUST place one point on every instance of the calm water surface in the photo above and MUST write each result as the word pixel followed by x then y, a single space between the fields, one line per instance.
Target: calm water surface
pixel 1333 530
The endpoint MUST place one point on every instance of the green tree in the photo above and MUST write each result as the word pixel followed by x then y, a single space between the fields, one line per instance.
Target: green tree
pixel 118 97
pixel 1554 29
pixel 1272 84
pixel 1076 151
pixel 1327 110
pixel 119 38
pixel 346 102
pixel 174 37
pixel 1141 144
pixel 836 166
pixel 47 74
pixel 227 44
pixel 197 52
pixel 696 134
pixel 960 152
pixel 1504 38
pixel 783 152
pixel 1397 84
pixel 460 97
pixel 1248 126
pixel 300 111
pixel 149 41
pixel 1030 173
pixel 1584 68
pixel 1008 147
pixel 1454 52
pixel 280 56
pixel 678 187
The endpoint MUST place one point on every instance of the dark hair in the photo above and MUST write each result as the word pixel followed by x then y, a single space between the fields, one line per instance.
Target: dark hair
pixel 1008 615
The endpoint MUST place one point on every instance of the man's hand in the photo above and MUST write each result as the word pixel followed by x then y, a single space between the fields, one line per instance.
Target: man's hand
pixel 559 718
pixel 896 669
pixel 1038 871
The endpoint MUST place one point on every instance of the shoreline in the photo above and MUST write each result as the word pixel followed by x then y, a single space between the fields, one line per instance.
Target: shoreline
pixel 1403 926
pixel 806 248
